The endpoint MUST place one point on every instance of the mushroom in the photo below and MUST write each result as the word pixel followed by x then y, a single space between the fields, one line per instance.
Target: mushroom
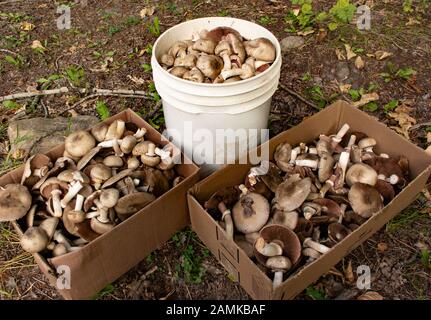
pixel 311 253
pixel 99 132
pixel 79 143
pixel 37 166
pixel 128 143
pixel 113 162
pixel 100 173
pixel 250 213
pixel 132 203
pixel 73 217
pixel 194 75
pixel 245 72
pixel 307 160
pixel 309 243
pixel 218 33
pixel 282 156
pixel 337 232
pixel 204 45
pixel 367 144
pixel 34 240
pixel 107 200
pixel 167 60
pixel 53 188
pixel 188 61
pixel 209 65
pixel 179 71
pixel 237 46
pixel 271 249
pixel 221 200
pixel 150 158
pixel 101 227
pixel 360 172
pixel 260 49
pixel 385 189
pixel 133 163
pixel 278 265
pixel 288 219
pixel 15 201
pixel 59 250
pixel 49 225
pixel 365 200
pixel 291 194
pixel 224 50
pixel 326 163
pixel 86 158
pixel 71 193
pixel 119 176
pixel 178 48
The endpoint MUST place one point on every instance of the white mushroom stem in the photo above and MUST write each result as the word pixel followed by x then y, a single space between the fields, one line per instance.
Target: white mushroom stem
pixel 163 154
pixel 60 238
pixel 309 243
pixel 71 193
pixel 109 143
pixel 278 278
pixel 392 179
pixel 341 133
pixel 151 150
pixel 294 154
pixel 79 202
pixel 345 158
pixel 310 163
pixel 343 208
pixel 244 190
pixel 136 182
pixel 227 218
pixel 312 150
pixel 117 148
pixel 56 203
pixel 311 253
pixel 384 155
pixel 77 176
pixel 140 133
pixel 92 214
pixel 271 249
pixel 103 212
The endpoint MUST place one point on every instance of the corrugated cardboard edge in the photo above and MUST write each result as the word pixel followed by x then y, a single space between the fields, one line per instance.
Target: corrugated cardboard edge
pixel 190 171
pixel 261 287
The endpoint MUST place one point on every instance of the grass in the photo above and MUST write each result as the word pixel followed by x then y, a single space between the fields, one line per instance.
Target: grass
pixel 406 218
pixel 108 290
pixel 192 253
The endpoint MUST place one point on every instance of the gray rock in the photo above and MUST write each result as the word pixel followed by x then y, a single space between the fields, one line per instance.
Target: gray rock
pixel 39 135
pixel 342 71
pixel 291 42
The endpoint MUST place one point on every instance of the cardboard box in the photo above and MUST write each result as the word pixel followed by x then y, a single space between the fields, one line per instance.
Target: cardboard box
pixel 111 255
pixel 257 284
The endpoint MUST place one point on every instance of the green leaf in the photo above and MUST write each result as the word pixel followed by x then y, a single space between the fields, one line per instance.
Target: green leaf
pixel 332 26
pixel 12 60
pixel 154 27
pixel 9 104
pixel 354 94
pixel 315 294
pixel 343 11
pixel 406 73
pixel 425 258
pixel 146 67
pixel 102 110
pixel 52 77
pixel 306 77
pixel 428 129
pixel 322 16
pixel 391 105
pixel 407 6
pixel 372 106
pixel 113 30
pixel 75 75
pixel 306 8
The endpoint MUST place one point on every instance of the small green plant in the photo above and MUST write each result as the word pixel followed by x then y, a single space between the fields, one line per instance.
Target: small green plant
pixel 354 94
pixel 146 67
pixel 315 294
pixel 405 218
pixel 148 49
pixel 343 11
pixel 406 73
pixel 51 78
pixel 154 27
pixel 75 74
pixel 306 76
pixel 157 121
pixel 113 30
pixel 132 21
pixel 17 61
pixel 408 6
pixel 266 20
pixel 391 105
pixel 223 13
pixel 152 92
pixel 172 7
pixel 371 106
pixel 425 258
pixel 12 105
pixel 102 110
pixel 109 289
pixel 316 94
pixel 302 20
pixel 150 258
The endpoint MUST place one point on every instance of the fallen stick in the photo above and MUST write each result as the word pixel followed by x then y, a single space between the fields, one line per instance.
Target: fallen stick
pixel 22 95
pixel 298 96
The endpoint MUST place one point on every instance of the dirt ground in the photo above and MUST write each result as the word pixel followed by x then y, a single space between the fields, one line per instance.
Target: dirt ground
pixel 109 45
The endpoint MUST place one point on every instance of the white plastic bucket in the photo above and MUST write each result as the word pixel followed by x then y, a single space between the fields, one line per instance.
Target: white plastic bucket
pixel 190 107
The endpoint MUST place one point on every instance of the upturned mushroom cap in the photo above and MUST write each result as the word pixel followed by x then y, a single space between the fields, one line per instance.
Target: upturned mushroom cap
pixel 365 200
pixel 132 203
pixel 141 148
pixel 360 172
pixel 228 195
pixel 330 207
pixel 36 161
pixel 282 156
pixel 287 239
pixel 260 49
pixel 79 143
pixel 272 178
pixel 157 181
pixel 177 48
pixel 210 65
pixel 15 201
pixel 99 132
pixel 237 46
pixel 49 226
pixel 250 213
pixel 337 232
pixel 34 240
pixel 50 184
pixel 86 158
pixel 290 195
pixel 119 176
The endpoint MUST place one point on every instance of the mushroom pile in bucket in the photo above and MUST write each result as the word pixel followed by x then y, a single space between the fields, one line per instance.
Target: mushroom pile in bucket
pixel 104 177
pixel 221 55
pixel 293 209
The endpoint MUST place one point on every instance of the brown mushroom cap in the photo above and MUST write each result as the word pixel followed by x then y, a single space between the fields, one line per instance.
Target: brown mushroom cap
pixel 210 65
pixel 290 195
pixel 260 49
pixel 99 132
pixel 282 156
pixel 87 157
pixel 278 263
pixel 204 45
pixel 34 240
pixel 178 71
pixel 132 203
pixel 337 232
pixel 250 213
pixel 272 178
pixel 286 218
pixel 287 239
pixel 326 165
pixel 109 197
pixel 79 143
pixel 113 161
pixel 360 172
pixel 365 200
pixel 157 181
pixel 330 207
pixel 100 172
pixel 100 227
pixel 15 201
pixel 218 33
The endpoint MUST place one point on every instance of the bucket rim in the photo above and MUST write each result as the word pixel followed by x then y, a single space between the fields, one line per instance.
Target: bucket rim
pixel 219 85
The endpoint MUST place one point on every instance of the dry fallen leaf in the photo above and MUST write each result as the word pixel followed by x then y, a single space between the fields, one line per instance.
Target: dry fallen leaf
pixel 104 65
pixel 412 21
pixel 36 44
pixel 147 12
pixel 27 26
pixel 349 52
pixel 382 247
pixel 296 11
pixel 359 63
pixel 405 121
pixel 380 55
pixel 136 79
pixel 366 98
pixel 344 88
pixel 370 295
pixel 340 54
pixel 348 272
pixel 305 33
pixel 322 34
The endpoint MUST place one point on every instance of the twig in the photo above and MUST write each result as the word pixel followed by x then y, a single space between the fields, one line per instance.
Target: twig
pixel 7 51
pixel 23 95
pixel 298 96
pixel 417 126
